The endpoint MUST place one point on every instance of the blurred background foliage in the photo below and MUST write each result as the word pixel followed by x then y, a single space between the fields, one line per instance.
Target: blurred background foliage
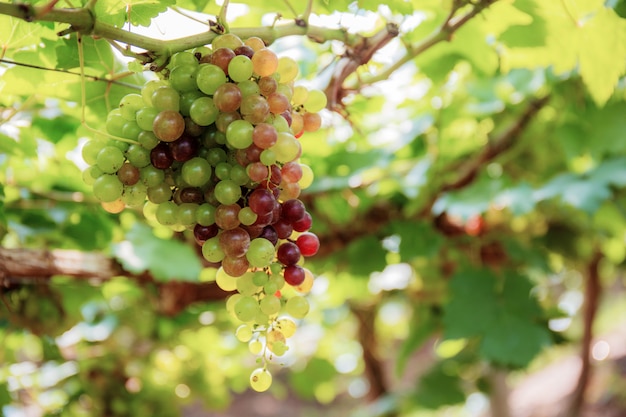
pixel 470 203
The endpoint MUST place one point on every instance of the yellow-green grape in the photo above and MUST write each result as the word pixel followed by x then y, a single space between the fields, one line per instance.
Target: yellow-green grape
pixel 315 102
pixel 231 301
pixel 255 347
pixel 300 94
pixel 270 305
pixel 288 69
pixel 276 342
pixel 243 333
pixel 286 326
pixel 245 284
pixel 246 308
pixel 307 176
pixel 260 379
pixel 297 307
pixel 225 281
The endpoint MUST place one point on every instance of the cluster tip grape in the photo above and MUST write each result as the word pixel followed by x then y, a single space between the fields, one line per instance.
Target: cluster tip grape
pixel 213 146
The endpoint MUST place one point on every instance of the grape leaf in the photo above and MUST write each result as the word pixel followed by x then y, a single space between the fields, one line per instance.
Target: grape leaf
pixel 137 12
pixel 165 259
pixel 505 320
pixel 416 239
pixel 438 388
pixel 366 255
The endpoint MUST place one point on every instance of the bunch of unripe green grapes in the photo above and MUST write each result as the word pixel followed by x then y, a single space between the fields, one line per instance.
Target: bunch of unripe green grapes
pixel 213 147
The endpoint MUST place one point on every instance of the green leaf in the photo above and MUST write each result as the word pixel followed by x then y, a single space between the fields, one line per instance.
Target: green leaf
pixel 416 239
pixel 137 12
pixel 366 255
pixel 438 388
pixel 472 305
pixel 603 38
pixel 512 340
pixel 165 259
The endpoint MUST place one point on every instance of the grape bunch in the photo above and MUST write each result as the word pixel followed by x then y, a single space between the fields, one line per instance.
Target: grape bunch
pixel 212 146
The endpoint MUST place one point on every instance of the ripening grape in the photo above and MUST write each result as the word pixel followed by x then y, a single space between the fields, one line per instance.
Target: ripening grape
pixel 243 333
pixel 297 307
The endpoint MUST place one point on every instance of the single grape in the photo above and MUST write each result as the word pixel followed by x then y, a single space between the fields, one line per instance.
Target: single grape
pixel 227 97
pixel 138 156
pixel 227 217
pixel 264 62
pixel 246 308
pixel 159 193
pixel 221 57
pixel 166 213
pixel 209 77
pixel 110 159
pixel 168 125
pixel 267 85
pixel 245 284
pixel 129 104
pixel 255 347
pixel 269 233
pixel 128 174
pixel 196 172
pixel 297 307
pixel 261 201
pixel 235 242
pixel 288 253
pixel 293 210
pixel 185 58
pixel 286 326
pixel 147 139
pixel 270 305
pixel 226 40
pixel 240 68
pixel 235 266
pixel 315 101
pixel 203 111
pixel 145 117
pixel 107 188
pixel 311 122
pixel 308 243
pixel 166 98
pixel 151 176
pixel 183 77
pixel 212 252
pixel 244 50
pixel 243 333
pixel 255 43
pixel 260 252
pixel 205 215
pixel 239 134
pixel 303 224
pixel 203 233
pixel 191 195
pixel 287 68
pixel 260 380
pixel 227 192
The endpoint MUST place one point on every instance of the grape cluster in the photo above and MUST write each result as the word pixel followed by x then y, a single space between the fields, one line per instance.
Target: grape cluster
pixel 213 146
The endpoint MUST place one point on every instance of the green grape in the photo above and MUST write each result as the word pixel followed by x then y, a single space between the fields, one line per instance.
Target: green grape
pixel 138 156
pixel 248 88
pixel 115 122
pixel 166 213
pixel 227 192
pixel 287 147
pixel 286 326
pixel 147 139
pixel 205 214
pixel 270 288
pixel 239 175
pixel 276 268
pixel 134 195
pixel 185 58
pixel 151 176
pixel 260 380
pixel 107 188
pixel 287 69
pixel 246 308
pixel 196 172
pixel 307 176
pixel 261 317
pixel 209 77
pixel 240 68
pixel 183 77
pixel 259 278
pixel 187 214
pixel 243 333
pixel 239 134
pixel 222 170
pixel 121 145
pixel 246 217
pixel 91 149
pixel 203 111
pixel 225 281
pixel 110 159
pixel 270 305
pixel 255 347
pixel 159 193
pixel 131 130
pixel 281 124
pixel 145 117
pixel 276 341
pixel 215 156
pixel 300 95
pixel 149 88
pixel 297 307
pixel 129 104
pixel 268 157
pixel 227 40
pixel 261 253
pixel 231 301
pixel 212 252
pixel 166 98
pixel 245 284
pixel 315 101
pixel 186 100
